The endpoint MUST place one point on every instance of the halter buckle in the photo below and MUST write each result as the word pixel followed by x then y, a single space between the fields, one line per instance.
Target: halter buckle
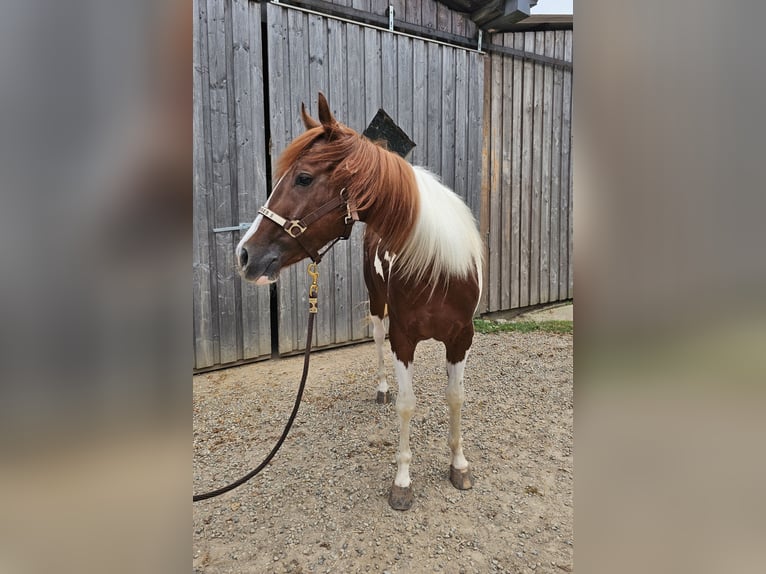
pixel 294 228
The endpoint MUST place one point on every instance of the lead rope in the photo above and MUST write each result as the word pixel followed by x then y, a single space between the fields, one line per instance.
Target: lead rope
pixel 313 290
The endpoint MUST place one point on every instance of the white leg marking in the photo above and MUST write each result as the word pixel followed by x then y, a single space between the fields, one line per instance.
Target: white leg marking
pixel 405 406
pixel 379 334
pixel 455 398
pixel 378 265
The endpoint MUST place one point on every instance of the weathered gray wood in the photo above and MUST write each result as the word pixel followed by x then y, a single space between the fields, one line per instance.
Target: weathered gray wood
pixel 293 283
pixel 443 18
pixel 460 153
pixel 566 208
pixel 475 119
pixel 558 75
pixel 447 121
pixel 389 74
pixel 405 86
pixel 526 173
pixel 250 163
pixel 537 124
pixel 484 199
pixel 336 94
pixel 507 143
pixel 357 116
pixel 318 59
pixel 220 72
pixel 545 199
pixel 412 12
pixel 434 108
pixel 419 99
pixel 428 13
pixel 494 285
pixel 202 288
pixel 518 42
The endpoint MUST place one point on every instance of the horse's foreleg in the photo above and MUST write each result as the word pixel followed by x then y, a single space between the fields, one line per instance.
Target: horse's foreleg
pixel 401 496
pixel 460 473
pixel 379 334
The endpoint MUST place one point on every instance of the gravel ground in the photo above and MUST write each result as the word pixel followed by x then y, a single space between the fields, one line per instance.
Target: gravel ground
pixel 321 505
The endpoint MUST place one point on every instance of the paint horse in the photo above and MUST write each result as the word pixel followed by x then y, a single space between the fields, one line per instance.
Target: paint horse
pixel 422 258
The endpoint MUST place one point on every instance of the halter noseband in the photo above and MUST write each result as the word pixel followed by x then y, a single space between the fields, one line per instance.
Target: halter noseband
pixel 295 228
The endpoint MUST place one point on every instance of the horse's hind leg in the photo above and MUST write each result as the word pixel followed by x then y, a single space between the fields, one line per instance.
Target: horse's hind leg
pixel 460 472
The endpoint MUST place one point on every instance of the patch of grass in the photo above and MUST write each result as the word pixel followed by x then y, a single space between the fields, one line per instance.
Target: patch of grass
pixel 559 327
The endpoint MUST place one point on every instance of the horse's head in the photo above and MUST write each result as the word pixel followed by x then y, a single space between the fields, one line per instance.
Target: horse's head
pixel 307 207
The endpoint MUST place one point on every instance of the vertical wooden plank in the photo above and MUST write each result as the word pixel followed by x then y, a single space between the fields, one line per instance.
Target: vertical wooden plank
pixel 202 288
pixel 458 23
pixel 428 11
pixel 251 163
pixel 558 74
pixel 419 99
pixel 318 63
pixel 293 284
pixel 434 108
pixel 399 10
pixel 486 142
pixel 443 18
pixel 494 287
pixel 412 12
pixel 404 94
pixel 362 4
pixel 336 94
pixel 475 118
pixel 390 74
pixel 537 174
pixel 357 118
pixel 545 199
pixel 526 172
pixel 566 135
pixel 448 118
pixel 461 127
pixel 517 40
pixel 219 69
pixel 508 270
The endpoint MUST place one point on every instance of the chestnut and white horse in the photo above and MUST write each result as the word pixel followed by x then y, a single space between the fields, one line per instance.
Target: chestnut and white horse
pixel 422 258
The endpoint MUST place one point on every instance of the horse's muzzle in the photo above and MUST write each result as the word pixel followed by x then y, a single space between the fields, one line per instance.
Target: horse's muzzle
pixel 261 268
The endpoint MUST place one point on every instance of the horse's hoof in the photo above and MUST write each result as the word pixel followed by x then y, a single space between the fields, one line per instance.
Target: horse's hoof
pixel 461 479
pixel 383 398
pixel 400 498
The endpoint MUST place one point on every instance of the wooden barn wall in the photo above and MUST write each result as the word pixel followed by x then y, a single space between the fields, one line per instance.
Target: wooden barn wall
pixel 434 92
pixel 427 13
pixel 231 317
pixel 495 127
pixel 527 173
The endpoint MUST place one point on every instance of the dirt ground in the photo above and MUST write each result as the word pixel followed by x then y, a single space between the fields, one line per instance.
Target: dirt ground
pixel 321 505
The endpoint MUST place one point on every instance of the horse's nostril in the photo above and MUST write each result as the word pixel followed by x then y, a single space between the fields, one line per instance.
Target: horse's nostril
pixel 243 258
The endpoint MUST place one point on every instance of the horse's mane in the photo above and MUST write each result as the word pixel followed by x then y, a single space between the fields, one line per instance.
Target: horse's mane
pixel 378 182
pixel 427 226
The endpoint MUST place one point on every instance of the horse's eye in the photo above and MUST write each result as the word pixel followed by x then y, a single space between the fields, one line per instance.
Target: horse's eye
pixel 303 179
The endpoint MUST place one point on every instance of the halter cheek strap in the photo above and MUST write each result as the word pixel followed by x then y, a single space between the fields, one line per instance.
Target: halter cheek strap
pixel 295 228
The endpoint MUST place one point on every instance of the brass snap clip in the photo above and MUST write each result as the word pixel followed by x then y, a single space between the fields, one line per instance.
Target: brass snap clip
pixel 313 270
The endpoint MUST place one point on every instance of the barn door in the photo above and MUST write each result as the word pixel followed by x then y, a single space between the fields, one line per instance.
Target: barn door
pixel 433 91
pixel 231 317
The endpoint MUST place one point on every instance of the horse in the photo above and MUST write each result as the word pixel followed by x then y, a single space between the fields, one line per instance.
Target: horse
pixel 422 259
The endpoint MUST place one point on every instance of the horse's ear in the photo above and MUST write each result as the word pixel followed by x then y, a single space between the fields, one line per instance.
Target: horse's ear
pixel 308 121
pixel 325 115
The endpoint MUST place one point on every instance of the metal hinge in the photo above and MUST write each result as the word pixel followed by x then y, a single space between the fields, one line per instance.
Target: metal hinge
pixel 240 227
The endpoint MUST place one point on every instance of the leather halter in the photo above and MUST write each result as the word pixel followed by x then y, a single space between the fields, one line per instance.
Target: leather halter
pixel 295 228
